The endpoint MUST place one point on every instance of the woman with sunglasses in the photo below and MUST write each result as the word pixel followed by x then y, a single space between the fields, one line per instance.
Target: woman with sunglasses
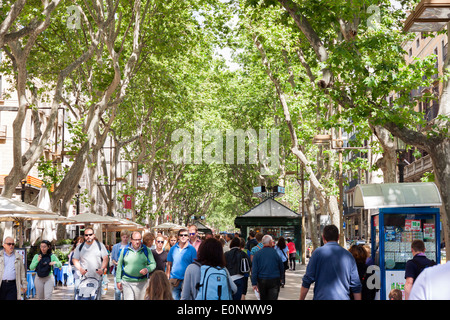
pixel 44 263
pixel 12 272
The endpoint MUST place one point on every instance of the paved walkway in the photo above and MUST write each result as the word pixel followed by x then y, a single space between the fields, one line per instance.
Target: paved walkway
pixel 291 290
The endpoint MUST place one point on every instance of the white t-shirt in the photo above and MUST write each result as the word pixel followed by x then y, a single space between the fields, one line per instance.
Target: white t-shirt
pixel 90 258
pixel 432 284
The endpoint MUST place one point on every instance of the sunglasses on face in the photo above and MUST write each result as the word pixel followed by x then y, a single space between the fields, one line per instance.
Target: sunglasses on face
pixel 9 244
pixel 160 241
pixel 184 235
pixel 88 234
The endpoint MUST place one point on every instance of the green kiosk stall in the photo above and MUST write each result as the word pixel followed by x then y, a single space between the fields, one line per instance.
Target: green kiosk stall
pixel 273 218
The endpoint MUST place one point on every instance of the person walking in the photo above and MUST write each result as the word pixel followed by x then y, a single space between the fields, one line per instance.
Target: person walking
pixel 251 240
pixel 180 256
pixel 228 238
pixel 246 274
pixel 193 237
pixel 159 254
pixel 332 269
pixel 149 240
pixel 12 272
pixel 115 254
pixel 76 278
pixel 91 258
pixel 416 265
pixel 432 284
pixel 267 271
pixel 135 263
pixel 235 263
pixel 360 255
pixel 172 240
pixel 210 253
pixel 258 246
pixel 158 287
pixel 292 254
pixel 44 263
pixel 283 251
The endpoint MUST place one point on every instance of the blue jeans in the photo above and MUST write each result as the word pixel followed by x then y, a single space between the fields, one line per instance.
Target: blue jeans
pixel 176 291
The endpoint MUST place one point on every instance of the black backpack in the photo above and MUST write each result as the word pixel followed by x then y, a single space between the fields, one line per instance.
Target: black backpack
pixel 43 268
pixel 237 262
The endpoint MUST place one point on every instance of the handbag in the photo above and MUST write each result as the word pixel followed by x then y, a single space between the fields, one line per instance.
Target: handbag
pixel 174 282
pixel 286 263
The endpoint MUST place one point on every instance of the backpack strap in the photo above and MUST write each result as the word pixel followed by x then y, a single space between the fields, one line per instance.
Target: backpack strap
pixel 198 285
pixel 98 244
pixel 144 249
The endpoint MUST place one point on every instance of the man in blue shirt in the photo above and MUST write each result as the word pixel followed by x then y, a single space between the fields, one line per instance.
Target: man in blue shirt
pixel 115 254
pixel 180 256
pixel 332 269
pixel 267 271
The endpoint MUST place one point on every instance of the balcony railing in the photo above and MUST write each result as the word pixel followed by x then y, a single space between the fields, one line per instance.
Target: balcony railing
pixel 416 169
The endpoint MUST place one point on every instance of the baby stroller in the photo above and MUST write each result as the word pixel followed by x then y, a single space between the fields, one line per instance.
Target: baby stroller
pixel 89 289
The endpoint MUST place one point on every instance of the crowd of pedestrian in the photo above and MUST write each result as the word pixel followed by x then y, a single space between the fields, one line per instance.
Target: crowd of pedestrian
pixel 185 267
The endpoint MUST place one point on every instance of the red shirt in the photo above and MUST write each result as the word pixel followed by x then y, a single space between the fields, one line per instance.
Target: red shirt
pixel 291 247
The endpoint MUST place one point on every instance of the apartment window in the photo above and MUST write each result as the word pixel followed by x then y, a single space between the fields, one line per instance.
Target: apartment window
pixel 417 43
pixel 410 52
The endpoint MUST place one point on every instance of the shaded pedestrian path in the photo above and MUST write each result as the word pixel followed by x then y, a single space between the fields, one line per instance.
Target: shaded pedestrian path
pixel 291 290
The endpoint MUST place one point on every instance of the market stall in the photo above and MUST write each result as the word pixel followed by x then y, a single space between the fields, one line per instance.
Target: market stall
pixel 273 218
pixel 404 212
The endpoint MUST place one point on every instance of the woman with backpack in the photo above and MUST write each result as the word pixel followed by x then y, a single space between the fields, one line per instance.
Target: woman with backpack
pixel 210 261
pixel 44 264
pixel 238 264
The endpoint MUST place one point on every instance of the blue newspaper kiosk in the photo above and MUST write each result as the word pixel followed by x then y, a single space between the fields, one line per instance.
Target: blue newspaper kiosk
pixel 400 214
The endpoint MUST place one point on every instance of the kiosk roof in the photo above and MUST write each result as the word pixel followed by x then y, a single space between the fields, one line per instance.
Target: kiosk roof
pixel 270 208
pixel 393 195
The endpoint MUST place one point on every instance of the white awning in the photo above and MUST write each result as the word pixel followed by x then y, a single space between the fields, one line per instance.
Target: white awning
pixel 393 195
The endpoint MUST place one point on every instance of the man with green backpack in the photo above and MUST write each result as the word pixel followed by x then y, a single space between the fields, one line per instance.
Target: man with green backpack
pixel 135 264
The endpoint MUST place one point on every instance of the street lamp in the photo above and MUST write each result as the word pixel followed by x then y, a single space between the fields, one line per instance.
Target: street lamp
pixel 78 199
pixel 23 183
pixel 400 149
pixel 428 16
pixel 323 139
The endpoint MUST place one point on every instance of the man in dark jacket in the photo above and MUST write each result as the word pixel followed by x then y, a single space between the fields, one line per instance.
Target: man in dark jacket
pixel 416 265
pixel 234 263
pixel 267 271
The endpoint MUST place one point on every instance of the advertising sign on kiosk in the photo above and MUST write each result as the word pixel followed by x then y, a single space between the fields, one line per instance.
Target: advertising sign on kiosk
pixel 404 212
